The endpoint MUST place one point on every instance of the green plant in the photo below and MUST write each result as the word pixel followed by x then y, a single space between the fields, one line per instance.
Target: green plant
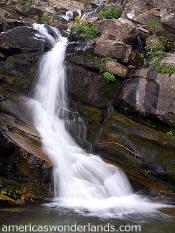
pixel 87 29
pixel 114 12
pixel 55 16
pixel 156 65
pixel 153 24
pixel 28 5
pixel 109 77
pixel 155 50
pixel 44 20
pixel 171 133
pixel 102 62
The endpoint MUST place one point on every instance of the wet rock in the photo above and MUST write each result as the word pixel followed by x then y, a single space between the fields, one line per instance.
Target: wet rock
pixel 136 146
pixel 90 88
pixel 151 93
pixel 23 39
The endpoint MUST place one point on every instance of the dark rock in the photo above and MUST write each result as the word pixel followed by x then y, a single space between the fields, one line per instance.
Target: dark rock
pixel 91 88
pixel 136 146
pixel 24 39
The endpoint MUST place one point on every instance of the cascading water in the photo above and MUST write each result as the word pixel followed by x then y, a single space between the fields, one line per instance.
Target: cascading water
pixel 82 181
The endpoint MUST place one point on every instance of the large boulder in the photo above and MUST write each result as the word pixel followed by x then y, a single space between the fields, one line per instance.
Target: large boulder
pixel 147 151
pixel 117 36
pixel 151 93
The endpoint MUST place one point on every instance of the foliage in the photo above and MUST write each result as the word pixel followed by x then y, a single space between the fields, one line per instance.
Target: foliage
pixel 44 20
pixel 158 52
pixel 155 50
pixel 153 24
pixel 28 5
pixel 114 12
pixel 156 65
pixel 171 133
pixel 109 77
pixel 85 28
pixel 102 62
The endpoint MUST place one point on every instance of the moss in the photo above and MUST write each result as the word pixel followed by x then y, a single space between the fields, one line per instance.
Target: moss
pixel 93 118
pixel 21 192
pixel 83 96
pixel 15 82
pixel 108 91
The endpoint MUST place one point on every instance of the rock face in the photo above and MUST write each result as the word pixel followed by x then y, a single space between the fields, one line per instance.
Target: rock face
pixel 151 93
pixel 90 88
pixel 136 146
pixel 25 168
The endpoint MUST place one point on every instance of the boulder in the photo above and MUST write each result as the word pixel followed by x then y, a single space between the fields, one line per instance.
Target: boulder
pixel 151 93
pixel 90 88
pixel 147 151
pixel 117 29
pixel 115 49
pixel 169 20
pixel 23 39
pixel 115 68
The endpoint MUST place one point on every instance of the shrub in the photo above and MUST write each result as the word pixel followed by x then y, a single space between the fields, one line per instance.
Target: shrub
pixel 86 29
pixel 156 65
pixel 109 77
pixel 114 12
pixel 171 133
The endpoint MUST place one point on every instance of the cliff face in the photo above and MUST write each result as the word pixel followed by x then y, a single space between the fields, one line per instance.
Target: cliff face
pixel 120 74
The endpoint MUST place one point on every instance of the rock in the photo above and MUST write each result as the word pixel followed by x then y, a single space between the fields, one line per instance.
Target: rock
pixel 169 60
pixel 91 88
pixel 141 148
pixel 151 93
pixel 169 20
pixel 115 68
pixel 24 39
pixel 93 118
pixel 87 60
pixel 114 49
pixel 116 29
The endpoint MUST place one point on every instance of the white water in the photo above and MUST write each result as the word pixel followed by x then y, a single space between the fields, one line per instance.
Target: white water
pixel 82 182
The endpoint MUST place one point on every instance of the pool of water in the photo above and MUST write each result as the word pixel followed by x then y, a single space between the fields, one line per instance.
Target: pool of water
pixel 40 216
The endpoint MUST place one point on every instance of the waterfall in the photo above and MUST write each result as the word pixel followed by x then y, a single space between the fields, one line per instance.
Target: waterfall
pixel 82 181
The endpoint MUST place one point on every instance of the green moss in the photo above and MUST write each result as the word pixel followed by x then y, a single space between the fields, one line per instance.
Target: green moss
pixel 83 96
pixel 93 118
pixel 21 192
pixel 15 82
pixel 107 91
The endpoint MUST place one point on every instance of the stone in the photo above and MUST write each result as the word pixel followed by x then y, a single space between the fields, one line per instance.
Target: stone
pixel 151 93
pixel 169 60
pixel 145 150
pixel 86 59
pixel 169 20
pixel 24 39
pixel 116 29
pixel 90 88
pixel 115 68
pixel 115 49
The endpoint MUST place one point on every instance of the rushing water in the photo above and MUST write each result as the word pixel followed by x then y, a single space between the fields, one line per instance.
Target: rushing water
pixel 82 182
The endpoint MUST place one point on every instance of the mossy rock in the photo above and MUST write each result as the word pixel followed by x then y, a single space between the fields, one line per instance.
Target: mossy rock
pixel 20 193
pixel 93 118
pixel 149 151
